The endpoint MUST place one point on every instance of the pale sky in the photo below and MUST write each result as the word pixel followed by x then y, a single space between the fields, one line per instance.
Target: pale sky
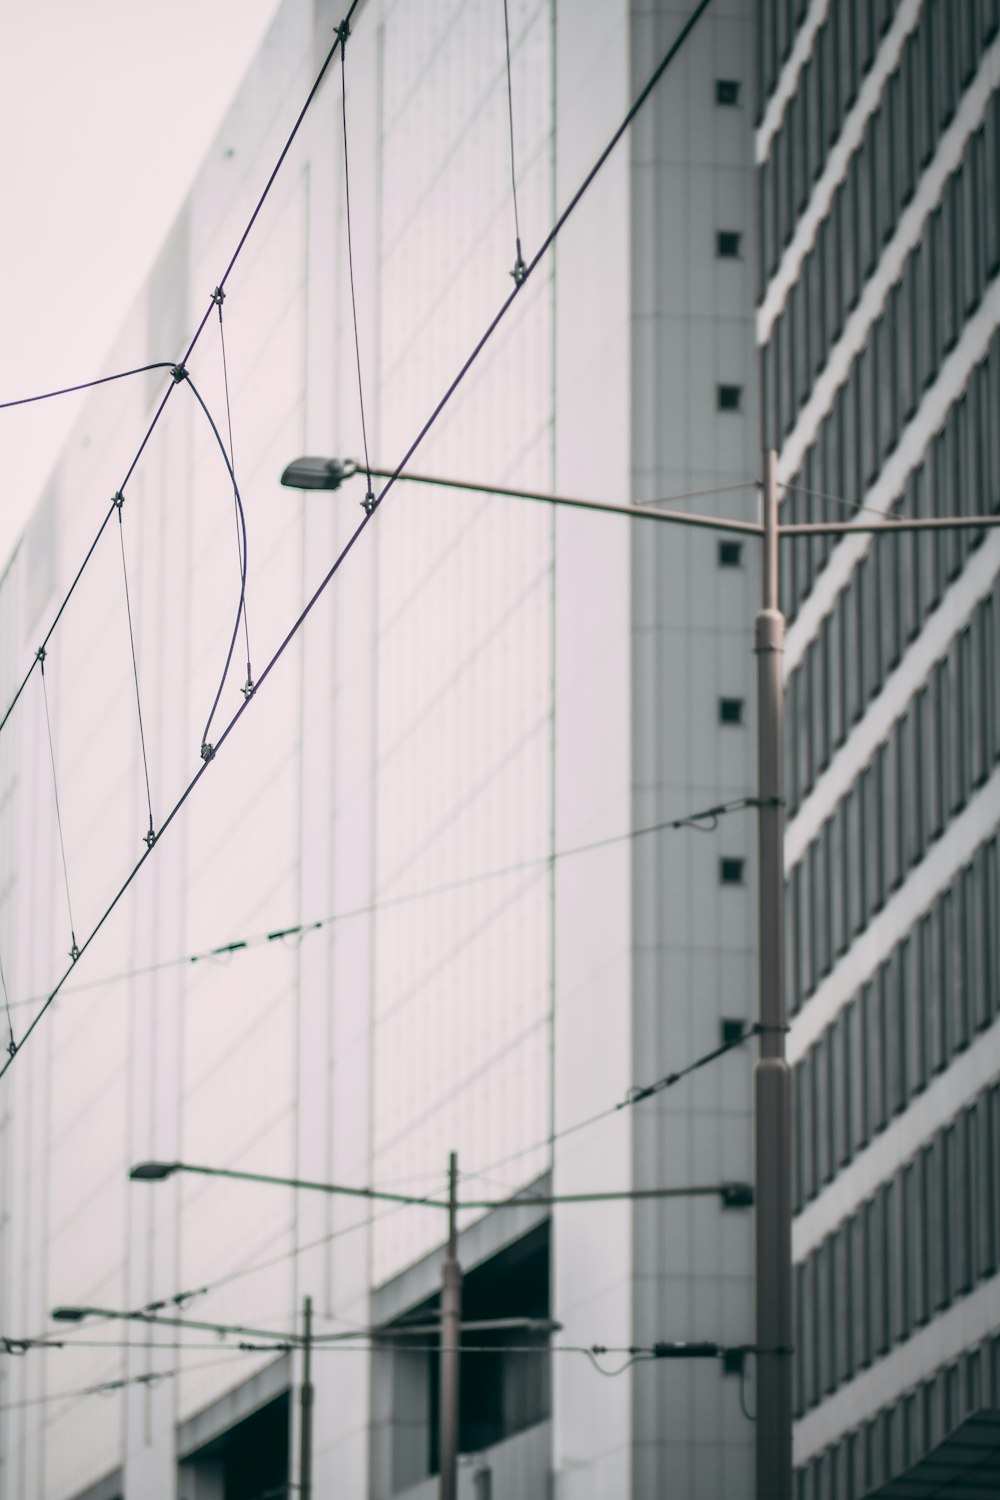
pixel 106 110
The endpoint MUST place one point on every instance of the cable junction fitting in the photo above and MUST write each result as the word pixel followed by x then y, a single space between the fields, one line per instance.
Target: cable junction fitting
pixel 118 500
pixel 149 837
pixel 249 690
pixel 520 271
pixel 368 503
pixel 207 752
pixel 218 296
pixel 179 373
pixel 40 656
pixel 343 32
pixel 74 951
pixel 12 1048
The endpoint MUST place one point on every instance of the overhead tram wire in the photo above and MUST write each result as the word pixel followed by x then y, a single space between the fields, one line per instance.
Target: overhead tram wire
pixel 85 385
pixel 166 365
pixel 74 951
pixel 219 296
pixel 342 556
pixel 520 270
pixel 344 33
pixel 12 1044
pixel 298 931
pixel 151 833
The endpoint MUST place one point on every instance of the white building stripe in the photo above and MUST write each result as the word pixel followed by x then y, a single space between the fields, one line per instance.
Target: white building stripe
pixel 962 1327
pixel 907 234
pixel 906 456
pixel 835 167
pixel 788 79
pixel 942 862
pixel 947 621
pixel 948 1093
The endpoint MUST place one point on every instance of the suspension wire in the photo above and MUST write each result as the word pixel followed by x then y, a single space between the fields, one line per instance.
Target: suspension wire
pixel 75 950
pixel 189 351
pixel 370 496
pixel 220 295
pixel 298 931
pixel 207 749
pixel 150 836
pixel 888 516
pixel 85 385
pixel 520 269
pixel 352 540
pixel 12 1044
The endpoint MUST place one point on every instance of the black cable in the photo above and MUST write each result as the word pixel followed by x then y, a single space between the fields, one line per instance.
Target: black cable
pixel 240 552
pixel 151 834
pixel 190 349
pixel 85 385
pixel 12 1044
pixel 519 270
pixel 207 749
pixel 74 951
pixel 369 497
pixel 342 556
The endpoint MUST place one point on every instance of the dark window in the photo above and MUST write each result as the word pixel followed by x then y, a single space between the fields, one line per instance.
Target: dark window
pixel 731 871
pixel 727 244
pixel 728 397
pixel 727 91
pixel 730 710
pixel 730 554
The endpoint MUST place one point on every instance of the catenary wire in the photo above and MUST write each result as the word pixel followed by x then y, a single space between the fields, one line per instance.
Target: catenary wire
pixel 207 749
pixel 298 931
pixel 240 553
pixel 74 950
pixel 151 834
pixel 350 259
pixel 348 547
pixel 85 385
pixel 12 1045
pixel 109 1387
pixel 519 268
pixel 189 351
pixel 856 505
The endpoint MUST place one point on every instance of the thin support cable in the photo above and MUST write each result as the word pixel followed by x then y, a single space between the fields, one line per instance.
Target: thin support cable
pixel 12 1044
pixel 218 296
pixel 150 836
pixel 74 951
pixel 369 500
pixel 520 269
pixel 86 385
pixel 207 748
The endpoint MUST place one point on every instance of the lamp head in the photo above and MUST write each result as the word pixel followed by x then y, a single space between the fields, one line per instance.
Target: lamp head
pixel 153 1171
pixel 69 1314
pixel 315 474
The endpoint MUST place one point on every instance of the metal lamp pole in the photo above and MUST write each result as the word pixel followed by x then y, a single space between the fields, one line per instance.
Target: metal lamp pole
pixel 451 1317
pixel 305 1425
pixel 771 1082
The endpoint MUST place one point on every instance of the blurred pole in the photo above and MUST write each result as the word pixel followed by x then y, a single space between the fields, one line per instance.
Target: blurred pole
pixel 451 1316
pixel 773 1173
pixel 305 1431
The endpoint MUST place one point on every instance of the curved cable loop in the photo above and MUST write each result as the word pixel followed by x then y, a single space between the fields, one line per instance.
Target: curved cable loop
pixel 86 385
pixel 207 750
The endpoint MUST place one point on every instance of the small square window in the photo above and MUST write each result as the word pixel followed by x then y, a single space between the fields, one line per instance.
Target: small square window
pixel 729 397
pixel 730 710
pixel 727 244
pixel 730 554
pixel 733 1031
pixel 731 871
pixel 727 91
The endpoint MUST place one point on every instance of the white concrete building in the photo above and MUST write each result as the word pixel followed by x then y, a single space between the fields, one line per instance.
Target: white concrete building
pixel 484 687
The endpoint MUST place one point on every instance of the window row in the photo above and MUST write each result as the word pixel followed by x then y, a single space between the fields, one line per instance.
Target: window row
pixel 946 279
pixel 924 1239
pixel 938 61
pixel 895 587
pixel 901 1434
pixel 937 988
pixel 918 780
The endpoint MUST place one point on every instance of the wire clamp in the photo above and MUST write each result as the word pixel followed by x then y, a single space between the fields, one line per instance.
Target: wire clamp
pixel 12 1048
pixel 118 500
pixel 207 752
pixel 249 690
pixel 179 373
pixel 149 837
pixel 74 951
pixel 343 32
pixel 368 503
pixel 40 656
pixel 218 296
pixel 520 272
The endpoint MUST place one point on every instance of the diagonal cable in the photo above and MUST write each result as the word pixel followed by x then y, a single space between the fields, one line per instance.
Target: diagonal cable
pixel 86 385
pixel 348 547
pixel 74 951
pixel 150 836
pixel 12 1044
pixel 344 33
pixel 219 294
pixel 520 269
